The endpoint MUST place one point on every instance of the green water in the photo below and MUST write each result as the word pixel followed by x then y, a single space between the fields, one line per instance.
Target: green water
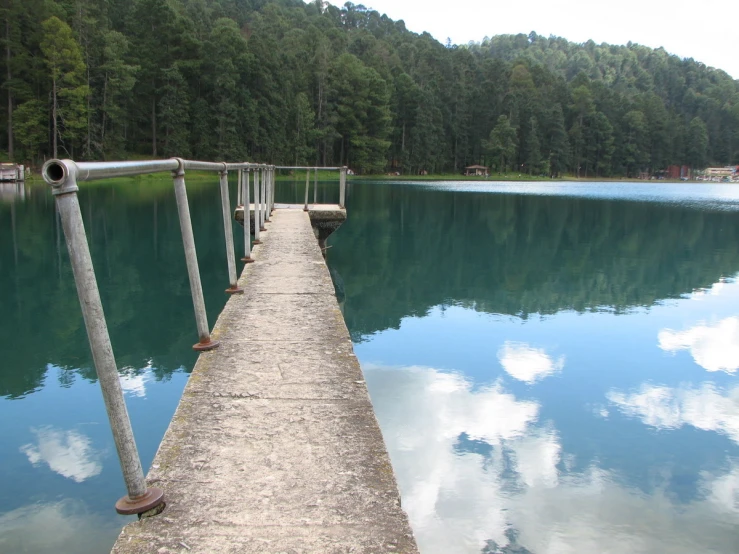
pixel 58 465
pixel 553 366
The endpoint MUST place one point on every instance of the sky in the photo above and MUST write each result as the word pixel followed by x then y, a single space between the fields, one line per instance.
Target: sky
pixel 682 27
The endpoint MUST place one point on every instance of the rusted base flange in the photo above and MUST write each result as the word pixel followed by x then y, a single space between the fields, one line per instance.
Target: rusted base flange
pixel 256 241
pixel 306 210
pixel 247 260
pixel 205 346
pixel 235 290
pixel 262 229
pixel 150 499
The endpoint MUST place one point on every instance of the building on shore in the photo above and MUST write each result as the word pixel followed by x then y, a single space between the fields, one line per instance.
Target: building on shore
pixel 12 172
pixel 678 172
pixel 726 173
pixel 477 170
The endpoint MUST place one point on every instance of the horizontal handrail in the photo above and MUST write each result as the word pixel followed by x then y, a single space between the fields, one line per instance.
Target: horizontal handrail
pixel 56 171
pixel 309 167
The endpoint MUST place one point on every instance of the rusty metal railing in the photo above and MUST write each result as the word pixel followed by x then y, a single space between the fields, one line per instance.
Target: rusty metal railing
pixel 342 182
pixel 64 176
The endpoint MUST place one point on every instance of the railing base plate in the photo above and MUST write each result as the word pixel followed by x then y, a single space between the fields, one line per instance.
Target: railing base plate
pixel 152 498
pixel 205 346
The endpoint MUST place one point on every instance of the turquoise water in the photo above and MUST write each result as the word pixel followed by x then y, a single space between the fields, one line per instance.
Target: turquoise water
pixel 553 366
pixel 58 464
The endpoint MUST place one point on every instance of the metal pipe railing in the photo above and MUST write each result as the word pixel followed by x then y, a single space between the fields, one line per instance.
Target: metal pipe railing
pixel 63 176
pixel 57 171
pixel 315 185
pixel 306 167
pixel 267 194
pixel 193 271
pixel 239 177
pixel 307 186
pixel 229 235
pixel 257 208
pixel 204 166
pixel 247 216
pixel 262 199
pixel 273 181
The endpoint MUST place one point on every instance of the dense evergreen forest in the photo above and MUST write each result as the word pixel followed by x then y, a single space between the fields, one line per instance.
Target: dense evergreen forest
pixel 281 81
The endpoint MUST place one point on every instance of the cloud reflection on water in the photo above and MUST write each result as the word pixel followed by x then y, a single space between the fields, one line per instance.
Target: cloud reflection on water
pixel 713 347
pixel 478 470
pixel 64 526
pixel 704 408
pixel 528 364
pixel 134 384
pixel 68 453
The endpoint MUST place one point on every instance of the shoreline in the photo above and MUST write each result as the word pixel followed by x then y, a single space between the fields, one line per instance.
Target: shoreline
pixel 513 178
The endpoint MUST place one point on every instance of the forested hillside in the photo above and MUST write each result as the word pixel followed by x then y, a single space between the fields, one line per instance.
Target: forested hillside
pixel 281 81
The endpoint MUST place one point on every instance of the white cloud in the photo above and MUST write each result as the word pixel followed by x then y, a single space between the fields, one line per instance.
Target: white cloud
pixel 526 363
pixel 713 347
pixel 509 478
pixel 67 453
pixel 704 408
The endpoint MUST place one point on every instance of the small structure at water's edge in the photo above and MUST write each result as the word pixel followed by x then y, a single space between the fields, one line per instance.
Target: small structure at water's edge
pixel 477 170
pixel 324 218
pixel 10 172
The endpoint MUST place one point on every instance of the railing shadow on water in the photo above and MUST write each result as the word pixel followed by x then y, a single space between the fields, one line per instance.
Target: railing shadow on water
pixel 64 176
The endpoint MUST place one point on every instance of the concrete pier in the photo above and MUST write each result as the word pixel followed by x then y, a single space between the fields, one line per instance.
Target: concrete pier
pixel 274 447
pixel 324 218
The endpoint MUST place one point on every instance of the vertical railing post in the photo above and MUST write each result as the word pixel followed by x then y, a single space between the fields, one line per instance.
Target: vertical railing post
pixel 307 186
pixel 239 175
pixel 191 258
pixel 315 185
pixel 140 499
pixel 247 218
pixel 228 233
pixel 342 187
pixel 273 189
pixel 268 197
pixel 257 208
pixel 263 197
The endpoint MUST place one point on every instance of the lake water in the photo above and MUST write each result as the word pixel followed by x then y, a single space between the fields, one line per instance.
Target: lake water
pixel 58 463
pixel 552 365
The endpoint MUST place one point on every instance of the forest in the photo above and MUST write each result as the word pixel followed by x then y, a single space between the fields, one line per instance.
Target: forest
pixel 281 81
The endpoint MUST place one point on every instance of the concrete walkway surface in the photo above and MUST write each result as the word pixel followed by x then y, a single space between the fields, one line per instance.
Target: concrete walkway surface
pixel 274 447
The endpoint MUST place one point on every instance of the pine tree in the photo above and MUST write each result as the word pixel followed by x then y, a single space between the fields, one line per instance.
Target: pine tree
pixel 69 91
